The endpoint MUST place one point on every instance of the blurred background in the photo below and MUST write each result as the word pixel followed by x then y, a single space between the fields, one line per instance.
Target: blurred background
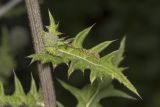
pixel 138 20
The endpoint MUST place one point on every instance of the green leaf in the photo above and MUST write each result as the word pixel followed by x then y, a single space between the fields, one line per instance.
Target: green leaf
pixel 93 75
pixel 100 47
pixel 7 61
pixel 73 54
pixel 78 41
pixel 52 27
pixel 115 93
pixel 33 88
pixel 91 62
pixel 74 90
pixel 46 58
pixel 59 104
pixel 19 98
pixel 90 95
pixel 18 87
pixel 1 89
pixel 76 65
pixel 115 57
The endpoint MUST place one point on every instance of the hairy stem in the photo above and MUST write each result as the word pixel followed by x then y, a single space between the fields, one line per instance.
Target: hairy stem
pixel 44 70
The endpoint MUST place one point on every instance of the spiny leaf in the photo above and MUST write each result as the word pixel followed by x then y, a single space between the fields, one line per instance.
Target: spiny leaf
pixel 33 88
pixel 115 57
pixel 46 58
pixel 76 65
pixel 79 58
pixel 78 41
pixel 19 98
pixel 93 76
pixel 71 68
pixel 90 95
pixel 52 27
pixel 90 61
pixel 18 87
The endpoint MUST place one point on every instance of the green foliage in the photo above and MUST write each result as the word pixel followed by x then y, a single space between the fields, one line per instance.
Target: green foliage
pixel 103 68
pixel 90 95
pixel 7 62
pixel 19 98
pixel 59 104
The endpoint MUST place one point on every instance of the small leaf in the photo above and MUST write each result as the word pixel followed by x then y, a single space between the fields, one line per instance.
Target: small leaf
pixel 46 58
pixel 59 104
pixel 18 87
pixel 33 88
pixel 115 57
pixel 79 39
pixel 52 27
pixel 100 47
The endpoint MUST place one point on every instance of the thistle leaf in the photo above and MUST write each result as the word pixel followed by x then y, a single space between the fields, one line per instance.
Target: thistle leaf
pixel 91 62
pixel 77 57
pixel 18 87
pixel 79 39
pixel 90 95
pixel 19 98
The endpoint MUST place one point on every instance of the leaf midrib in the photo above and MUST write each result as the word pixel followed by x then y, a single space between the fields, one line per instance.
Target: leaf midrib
pixel 108 68
pixel 120 77
pixel 93 97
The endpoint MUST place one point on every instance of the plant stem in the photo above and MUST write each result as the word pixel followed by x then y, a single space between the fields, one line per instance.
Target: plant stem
pixel 44 70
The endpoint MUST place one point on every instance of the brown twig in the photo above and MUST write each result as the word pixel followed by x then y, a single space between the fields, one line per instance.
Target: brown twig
pixel 44 70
